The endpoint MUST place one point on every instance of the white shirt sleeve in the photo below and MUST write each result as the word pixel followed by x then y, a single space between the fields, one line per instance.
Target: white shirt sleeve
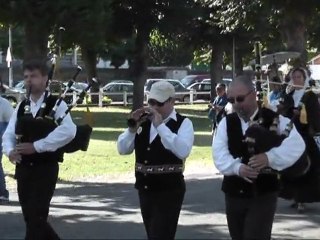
pixel 9 136
pixel 290 149
pixel 125 143
pixel 7 110
pixel 180 143
pixel 279 158
pixel 60 136
pixel 223 160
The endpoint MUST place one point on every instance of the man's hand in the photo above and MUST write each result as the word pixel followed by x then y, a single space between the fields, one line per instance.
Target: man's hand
pixel 248 173
pixel 138 117
pixel 25 148
pixel 14 157
pixel 259 161
pixel 156 117
pixel 217 107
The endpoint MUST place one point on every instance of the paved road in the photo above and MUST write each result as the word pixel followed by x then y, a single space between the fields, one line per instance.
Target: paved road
pixel 109 210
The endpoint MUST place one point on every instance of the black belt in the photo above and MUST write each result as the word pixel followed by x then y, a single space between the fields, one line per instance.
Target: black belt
pixel 31 163
pixel 159 169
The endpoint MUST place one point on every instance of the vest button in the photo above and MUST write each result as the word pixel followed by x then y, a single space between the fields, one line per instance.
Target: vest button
pixel 31 164
pixel 145 174
pixel 145 161
pixel 148 149
pixel 145 187
pixel 241 191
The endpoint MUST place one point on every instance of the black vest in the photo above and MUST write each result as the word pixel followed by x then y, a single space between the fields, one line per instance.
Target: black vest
pixel 154 153
pixel 235 185
pixel 312 107
pixel 33 129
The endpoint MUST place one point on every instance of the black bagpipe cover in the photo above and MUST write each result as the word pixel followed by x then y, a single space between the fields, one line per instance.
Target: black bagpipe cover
pixel 266 139
pixel 80 141
pixel 34 129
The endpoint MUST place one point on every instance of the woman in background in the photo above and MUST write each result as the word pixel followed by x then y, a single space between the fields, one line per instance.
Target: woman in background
pixel 304 189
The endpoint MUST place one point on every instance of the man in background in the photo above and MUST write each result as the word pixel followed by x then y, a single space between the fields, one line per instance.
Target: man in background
pixel 216 107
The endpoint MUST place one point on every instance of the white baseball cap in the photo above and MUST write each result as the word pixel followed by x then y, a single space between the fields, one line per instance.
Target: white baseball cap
pixel 161 91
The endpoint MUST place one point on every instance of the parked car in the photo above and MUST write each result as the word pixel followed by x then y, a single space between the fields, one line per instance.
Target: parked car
pixel 77 88
pixel 150 81
pixel 14 94
pixel 226 81
pixel 182 93
pixel 56 87
pixel 115 89
pixel 20 86
pixel 190 79
pixel 202 90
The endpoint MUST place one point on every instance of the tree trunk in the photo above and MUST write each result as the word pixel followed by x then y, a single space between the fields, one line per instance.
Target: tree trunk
pixel 216 65
pixel 138 66
pixel 238 62
pixel 89 57
pixel 294 34
pixel 36 41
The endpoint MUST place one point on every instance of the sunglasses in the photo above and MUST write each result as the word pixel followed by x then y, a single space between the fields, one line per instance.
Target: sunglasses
pixel 153 102
pixel 239 98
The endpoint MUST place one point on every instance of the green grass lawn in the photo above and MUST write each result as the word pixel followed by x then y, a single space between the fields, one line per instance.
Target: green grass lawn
pixel 102 158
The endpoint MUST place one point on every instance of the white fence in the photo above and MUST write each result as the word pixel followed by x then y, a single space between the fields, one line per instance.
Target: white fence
pixel 117 98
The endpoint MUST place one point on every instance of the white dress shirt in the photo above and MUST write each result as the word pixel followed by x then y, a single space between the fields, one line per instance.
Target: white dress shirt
pixel 179 143
pixel 297 96
pixel 6 110
pixel 59 137
pixel 279 158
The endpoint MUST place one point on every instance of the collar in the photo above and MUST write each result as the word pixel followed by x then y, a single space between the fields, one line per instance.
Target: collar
pixel 254 114
pixel 39 101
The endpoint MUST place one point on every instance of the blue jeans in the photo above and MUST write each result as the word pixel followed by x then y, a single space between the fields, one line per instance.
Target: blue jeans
pixel 3 189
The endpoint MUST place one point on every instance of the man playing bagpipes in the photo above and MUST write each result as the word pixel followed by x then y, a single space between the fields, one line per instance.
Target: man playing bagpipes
pixel 36 152
pixel 251 181
pixel 299 100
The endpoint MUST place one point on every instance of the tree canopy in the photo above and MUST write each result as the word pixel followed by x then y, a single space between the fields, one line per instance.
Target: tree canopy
pixel 160 32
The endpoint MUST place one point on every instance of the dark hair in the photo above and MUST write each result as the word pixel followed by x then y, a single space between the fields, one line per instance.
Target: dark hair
pixel 221 86
pixel 36 64
pixel 301 70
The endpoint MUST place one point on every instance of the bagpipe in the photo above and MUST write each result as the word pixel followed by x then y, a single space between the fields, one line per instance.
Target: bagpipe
pixel 260 139
pixel 82 138
pixel 31 129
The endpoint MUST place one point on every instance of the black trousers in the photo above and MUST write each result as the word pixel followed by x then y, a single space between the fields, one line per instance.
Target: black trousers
pixel 251 218
pixel 36 185
pixel 160 212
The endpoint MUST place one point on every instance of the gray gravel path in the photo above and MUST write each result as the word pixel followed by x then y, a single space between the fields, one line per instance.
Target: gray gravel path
pixel 108 209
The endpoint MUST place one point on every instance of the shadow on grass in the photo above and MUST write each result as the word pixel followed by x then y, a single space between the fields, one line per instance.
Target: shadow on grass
pixel 99 210
pixel 103 119
pixel 118 119
pixel 199 140
pixel 115 122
